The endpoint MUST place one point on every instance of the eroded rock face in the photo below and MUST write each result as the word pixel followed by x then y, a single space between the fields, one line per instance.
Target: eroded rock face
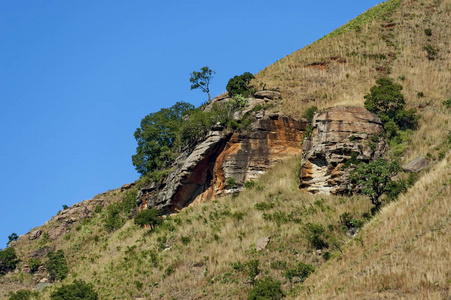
pixel 202 173
pixel 340 135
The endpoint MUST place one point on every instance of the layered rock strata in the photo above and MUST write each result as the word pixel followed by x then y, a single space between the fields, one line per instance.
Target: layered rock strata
pixel 224 161
pixel 340 137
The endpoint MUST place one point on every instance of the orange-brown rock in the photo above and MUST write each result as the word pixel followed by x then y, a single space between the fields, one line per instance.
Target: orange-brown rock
pixel 340 136
pixel 202 173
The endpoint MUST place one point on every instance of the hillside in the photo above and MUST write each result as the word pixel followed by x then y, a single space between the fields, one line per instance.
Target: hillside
pixel 219 249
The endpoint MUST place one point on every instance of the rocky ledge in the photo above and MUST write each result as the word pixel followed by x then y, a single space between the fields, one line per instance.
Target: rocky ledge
pixel 340 136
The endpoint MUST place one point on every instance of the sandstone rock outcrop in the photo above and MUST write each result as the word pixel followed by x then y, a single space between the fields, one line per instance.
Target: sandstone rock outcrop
pixel 416 165
pixel 340 135
pixel 202 173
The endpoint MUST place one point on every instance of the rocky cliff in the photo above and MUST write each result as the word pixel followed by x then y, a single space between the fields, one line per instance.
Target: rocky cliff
pixel 340 137
pixel 224 161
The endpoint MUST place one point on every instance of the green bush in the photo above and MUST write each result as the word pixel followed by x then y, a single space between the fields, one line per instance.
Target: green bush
pixel 78 290
pixel 447 103
pixel 22 295
pixel 8 260
pixel 264 205
pixel 301 270
pixel 316 235
pixel 113 218
pixel 428 31
pixel 310 112
pixel 230 182
pixel 149 217
pixel 431 52
pixel 266 289
pixel 239 85
pixel 34 264
pixel 57 265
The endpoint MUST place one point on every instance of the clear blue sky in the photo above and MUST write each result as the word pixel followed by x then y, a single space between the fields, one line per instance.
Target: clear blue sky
pixel 77 77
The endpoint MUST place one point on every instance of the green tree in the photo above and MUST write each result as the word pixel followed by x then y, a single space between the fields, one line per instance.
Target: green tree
pixel 239 85
pixel 386 100
pixel 201 80
pixel 157 138
pixel 149 217
pixel 8 260
pixel 375 178
pixel 78 290
pixel 57 265
pixel 11 238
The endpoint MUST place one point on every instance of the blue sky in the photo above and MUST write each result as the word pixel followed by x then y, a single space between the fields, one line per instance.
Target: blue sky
pixel 77 77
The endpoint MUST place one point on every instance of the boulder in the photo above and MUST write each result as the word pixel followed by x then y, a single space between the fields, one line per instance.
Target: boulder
pixel 35 234
pixel 340 135
pixel 271 95
pixel 416 165
pixel 262 243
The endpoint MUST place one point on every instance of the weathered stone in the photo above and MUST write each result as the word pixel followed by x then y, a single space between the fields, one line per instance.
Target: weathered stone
pixel 201 173
pixel 35 234
pixel 56 232
pixel 340 135
pixel 271 95
pixel 127 186
pixel 416 165
pixel 262 243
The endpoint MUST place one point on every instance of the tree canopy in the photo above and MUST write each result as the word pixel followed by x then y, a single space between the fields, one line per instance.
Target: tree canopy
pixel 375 178
pixel 239 85
pixel 157 136
pixel 201 80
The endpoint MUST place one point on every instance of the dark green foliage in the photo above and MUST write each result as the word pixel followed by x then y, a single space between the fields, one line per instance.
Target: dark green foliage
pixel 266 289
pixel 65 206
pixel 310 112
pixel 316 235
pixel 185 240
pixel 230 182
pixel 264 205
pixel 201 80
pixel 301 270
pixel 57 265
pixel 78 290
pixel 374 178
pixel 8 260
pixel 149 217
pixel 447 103
pixel 431 52
pixel 386 100
pixel 349 222
pixel 279 265
pixel 22 295
pixel 113 218
pixel 157 137
pixel 428 31
pixel 239 85
pixel 12 238
pixel 34 264
pixel 251 269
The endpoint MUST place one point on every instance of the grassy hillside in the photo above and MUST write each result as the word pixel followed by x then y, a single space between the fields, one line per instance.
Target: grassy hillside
pixel 208 251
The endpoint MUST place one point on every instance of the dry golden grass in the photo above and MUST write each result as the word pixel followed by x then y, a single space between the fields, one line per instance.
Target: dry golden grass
pixel 402 254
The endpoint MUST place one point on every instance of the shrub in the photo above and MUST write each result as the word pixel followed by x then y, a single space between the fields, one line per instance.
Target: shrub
pixel 12 238
pixel 264 205
pixel 431 52
pixel 265 289
pixel 78 290
pixel 239 85
pixel 34 264
pixel 149 217
pixel 22 295
pixel 57 265
pixel 113 219
pixel 230 182
pixel 310 112
pixel 279 265
pixel 447 103
pixel 301 270
pixel 428 31
pixel 315 234
pixel 8 260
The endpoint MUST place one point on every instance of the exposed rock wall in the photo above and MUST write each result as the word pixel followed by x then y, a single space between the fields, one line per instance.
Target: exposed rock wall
pixel 340 134
pixel 201 173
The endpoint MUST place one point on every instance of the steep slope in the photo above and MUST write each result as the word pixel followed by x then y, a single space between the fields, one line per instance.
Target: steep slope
pixel 208 251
